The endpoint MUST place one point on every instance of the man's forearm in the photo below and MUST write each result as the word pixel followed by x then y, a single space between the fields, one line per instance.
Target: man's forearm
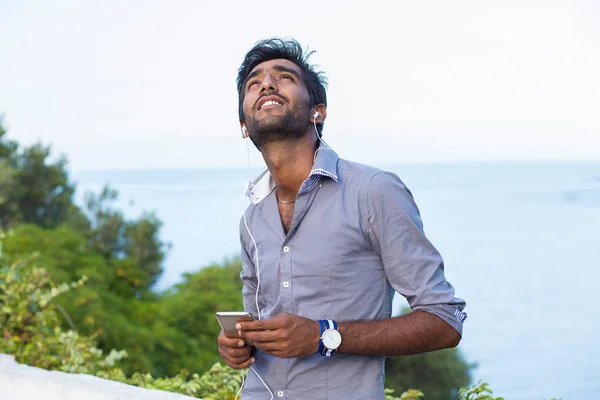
pixel 414 333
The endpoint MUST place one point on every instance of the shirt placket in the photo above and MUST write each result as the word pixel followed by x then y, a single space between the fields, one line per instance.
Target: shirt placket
pixel 303 202
pixel 286 275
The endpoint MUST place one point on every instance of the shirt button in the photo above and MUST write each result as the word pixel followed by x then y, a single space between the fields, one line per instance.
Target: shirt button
pixel 280 393
pixel 286 284
pixel 286 249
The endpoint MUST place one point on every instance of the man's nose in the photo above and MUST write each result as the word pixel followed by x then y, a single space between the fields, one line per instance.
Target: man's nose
pixel 267 84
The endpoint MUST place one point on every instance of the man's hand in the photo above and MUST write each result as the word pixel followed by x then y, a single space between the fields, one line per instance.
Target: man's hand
pixel 284 336
pixel 234 351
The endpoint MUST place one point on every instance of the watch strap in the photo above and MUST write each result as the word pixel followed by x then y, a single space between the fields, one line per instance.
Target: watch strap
pixel 322 327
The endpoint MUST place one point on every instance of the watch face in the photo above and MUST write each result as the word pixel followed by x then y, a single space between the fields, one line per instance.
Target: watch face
pixel 332 339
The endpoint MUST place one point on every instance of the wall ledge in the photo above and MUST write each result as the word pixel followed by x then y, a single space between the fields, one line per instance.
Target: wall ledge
pixel 22 382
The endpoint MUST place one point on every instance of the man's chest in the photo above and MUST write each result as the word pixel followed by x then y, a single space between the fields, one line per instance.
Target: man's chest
pixel 286 214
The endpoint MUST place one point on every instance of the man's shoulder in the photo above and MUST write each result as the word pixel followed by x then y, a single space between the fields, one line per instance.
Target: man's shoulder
pixel 367 178
pixel 363 174
pixel 357 170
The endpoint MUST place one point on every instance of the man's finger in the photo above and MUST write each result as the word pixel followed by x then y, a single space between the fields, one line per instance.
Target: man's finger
pixel 260 336
pixel 230 341
pixel 229 335
pixel 259 325
pixel 269 347
pixel 243 365
pixel 240 359
pixel 235 352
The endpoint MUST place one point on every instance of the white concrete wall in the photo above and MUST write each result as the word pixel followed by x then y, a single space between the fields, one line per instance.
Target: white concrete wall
pixel 21 382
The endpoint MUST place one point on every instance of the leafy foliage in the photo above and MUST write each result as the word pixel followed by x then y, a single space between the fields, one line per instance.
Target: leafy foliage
pixel 33 189
pixel 480 391
pixel 412 394
pixel 218 383
pixel 29 321
pixel 105 307
pixel 113 236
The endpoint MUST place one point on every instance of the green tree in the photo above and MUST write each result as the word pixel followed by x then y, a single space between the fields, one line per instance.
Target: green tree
pixel 33 189
pixel 41 188
pixel 6 176
pixel 141 242
pixel 115 237
pixel 8 149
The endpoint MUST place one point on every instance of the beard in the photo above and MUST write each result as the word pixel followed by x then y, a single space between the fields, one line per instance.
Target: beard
pixel 278 128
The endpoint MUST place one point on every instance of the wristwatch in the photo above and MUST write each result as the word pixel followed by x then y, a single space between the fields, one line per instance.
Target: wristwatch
pixel 330 337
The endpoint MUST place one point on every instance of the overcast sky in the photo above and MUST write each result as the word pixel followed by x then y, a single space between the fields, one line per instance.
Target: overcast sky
pixel 139 84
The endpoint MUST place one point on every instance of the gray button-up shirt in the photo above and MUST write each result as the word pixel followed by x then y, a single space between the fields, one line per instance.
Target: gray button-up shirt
pixel 356 238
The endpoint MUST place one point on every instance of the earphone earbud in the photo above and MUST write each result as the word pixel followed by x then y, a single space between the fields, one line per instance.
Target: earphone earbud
pixel 244 132
pixel 316 114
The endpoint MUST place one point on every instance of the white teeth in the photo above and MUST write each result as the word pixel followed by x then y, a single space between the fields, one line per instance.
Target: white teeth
pixel 270 103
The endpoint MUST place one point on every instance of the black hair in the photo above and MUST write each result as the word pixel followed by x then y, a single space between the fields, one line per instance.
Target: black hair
pixel 291 50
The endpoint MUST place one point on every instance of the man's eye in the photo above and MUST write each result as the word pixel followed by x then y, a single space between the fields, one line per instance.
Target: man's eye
pixel 285 76
pixel 252 84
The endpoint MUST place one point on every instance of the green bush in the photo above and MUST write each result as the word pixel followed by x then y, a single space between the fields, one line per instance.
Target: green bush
pixel 30 326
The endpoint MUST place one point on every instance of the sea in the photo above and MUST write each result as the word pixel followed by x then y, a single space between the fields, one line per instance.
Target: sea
pixel 520 240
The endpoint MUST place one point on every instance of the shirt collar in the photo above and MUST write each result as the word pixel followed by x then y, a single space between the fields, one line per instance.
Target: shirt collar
pixel 263 184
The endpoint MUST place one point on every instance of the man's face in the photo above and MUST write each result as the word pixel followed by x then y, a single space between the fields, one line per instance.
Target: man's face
pixel 276 102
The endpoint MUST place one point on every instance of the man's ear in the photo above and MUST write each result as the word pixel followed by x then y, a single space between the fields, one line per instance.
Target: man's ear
pixel 245 133
pixel 321 116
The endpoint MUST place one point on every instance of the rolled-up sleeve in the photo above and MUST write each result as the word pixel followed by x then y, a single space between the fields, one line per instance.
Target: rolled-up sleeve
pixel 248 274
pixel 413 266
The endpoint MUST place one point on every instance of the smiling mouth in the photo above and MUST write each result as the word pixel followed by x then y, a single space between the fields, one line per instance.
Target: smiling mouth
pixel 269 103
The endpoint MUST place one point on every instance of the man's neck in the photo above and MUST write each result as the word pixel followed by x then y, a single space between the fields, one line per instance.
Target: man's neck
pixel 290 163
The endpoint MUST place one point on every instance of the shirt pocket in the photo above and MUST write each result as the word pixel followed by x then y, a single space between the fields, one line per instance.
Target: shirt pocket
pixel 338 278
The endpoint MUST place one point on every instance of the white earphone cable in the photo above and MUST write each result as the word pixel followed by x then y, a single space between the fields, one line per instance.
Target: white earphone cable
pixel 319 139
pixel 241 386
pixel 257 267
pixel 263 382
pixel 248 158
pixel 257 289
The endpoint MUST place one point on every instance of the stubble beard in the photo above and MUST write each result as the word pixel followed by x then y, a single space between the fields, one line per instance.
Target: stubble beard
pixel 278 128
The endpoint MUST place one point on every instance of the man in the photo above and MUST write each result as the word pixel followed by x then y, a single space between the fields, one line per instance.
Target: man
pixel 325 243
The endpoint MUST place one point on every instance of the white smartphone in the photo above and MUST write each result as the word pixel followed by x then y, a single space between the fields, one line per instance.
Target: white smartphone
pixel 228 319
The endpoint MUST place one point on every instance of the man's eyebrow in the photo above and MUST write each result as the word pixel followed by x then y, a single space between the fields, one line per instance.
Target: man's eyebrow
pixel 282 68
